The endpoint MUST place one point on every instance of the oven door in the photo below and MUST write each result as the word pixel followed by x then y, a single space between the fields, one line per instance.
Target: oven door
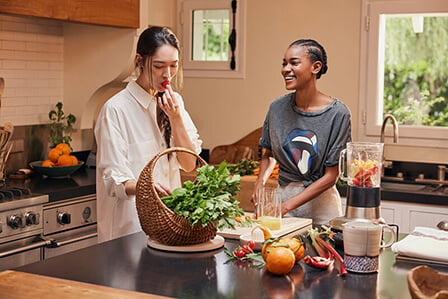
pixel 71 240
pixel 21 252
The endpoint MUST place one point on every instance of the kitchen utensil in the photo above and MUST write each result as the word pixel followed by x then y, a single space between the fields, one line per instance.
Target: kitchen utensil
pixel 443 225
pixel 291 226
pixel 2 88
pixel 6 132
pixel 363 163
pixel 362 243
pixel 4 155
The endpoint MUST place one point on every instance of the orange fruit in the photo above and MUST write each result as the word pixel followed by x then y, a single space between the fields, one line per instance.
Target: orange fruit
pixel 294 244
pixel 67 160
pixel 47 163
pixel 54 154
pixel 280 260
pixel 64 147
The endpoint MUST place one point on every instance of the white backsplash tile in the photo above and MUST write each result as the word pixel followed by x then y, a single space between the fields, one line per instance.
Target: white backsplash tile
pixel 32 63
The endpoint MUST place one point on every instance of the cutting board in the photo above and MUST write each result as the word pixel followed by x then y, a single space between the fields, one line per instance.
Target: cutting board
pixel 290 226
pixel 21 285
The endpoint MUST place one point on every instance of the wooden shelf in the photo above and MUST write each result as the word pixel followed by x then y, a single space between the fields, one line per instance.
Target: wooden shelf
pixel 119 13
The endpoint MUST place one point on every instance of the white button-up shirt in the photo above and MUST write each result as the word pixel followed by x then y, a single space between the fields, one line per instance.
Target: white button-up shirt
pixel 128 137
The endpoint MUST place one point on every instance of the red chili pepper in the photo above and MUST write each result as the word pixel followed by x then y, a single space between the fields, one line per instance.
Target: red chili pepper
pixel 246 248
pixel 332 252
pixel 318 262
pixel 239 253
pixel 251 244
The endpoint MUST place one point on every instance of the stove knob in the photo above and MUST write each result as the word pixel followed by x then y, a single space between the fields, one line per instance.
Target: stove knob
pixel 15 221
pixel 31 218
pixel 64 218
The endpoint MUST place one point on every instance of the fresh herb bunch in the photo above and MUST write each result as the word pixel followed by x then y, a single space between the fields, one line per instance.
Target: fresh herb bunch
pixel 211 199
pixel 244 167
pixel 61 126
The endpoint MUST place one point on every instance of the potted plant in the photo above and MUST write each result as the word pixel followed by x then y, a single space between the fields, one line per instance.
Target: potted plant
pixel 61 126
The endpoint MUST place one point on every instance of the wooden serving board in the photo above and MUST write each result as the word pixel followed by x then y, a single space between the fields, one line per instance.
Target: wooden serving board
pixel 21 285
pixel 213 244
pixel 290 226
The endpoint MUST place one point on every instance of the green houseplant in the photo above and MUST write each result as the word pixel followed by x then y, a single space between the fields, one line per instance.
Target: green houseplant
pixel 61 126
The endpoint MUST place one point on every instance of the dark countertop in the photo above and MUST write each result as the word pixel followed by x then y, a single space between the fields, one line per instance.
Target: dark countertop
pixel 127 263
pixel 80 183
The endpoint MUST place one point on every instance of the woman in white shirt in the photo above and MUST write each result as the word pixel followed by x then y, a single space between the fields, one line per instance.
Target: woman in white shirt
pixel 145 118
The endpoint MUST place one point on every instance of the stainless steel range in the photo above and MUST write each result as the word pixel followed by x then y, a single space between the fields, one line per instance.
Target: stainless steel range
pixel 21 227
pixel 70 225
pixel 32 228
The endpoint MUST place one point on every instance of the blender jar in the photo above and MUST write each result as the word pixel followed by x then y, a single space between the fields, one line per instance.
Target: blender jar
pixel 363 162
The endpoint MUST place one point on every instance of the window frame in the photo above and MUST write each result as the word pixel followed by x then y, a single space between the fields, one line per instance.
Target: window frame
pixel 371 116
pixel 214 69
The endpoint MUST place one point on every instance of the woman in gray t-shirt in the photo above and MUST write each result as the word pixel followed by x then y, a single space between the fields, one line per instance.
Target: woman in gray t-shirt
pixel 304 131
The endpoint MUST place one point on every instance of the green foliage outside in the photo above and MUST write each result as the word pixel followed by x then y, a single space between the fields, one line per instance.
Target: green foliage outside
pixel 416 72
pixel 216 42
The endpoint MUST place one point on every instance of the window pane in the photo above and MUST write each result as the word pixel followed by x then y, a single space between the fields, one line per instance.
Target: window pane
pixel 210 35
pixel 415 68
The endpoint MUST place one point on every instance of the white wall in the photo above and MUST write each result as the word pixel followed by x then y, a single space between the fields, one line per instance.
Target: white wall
pixel 226 109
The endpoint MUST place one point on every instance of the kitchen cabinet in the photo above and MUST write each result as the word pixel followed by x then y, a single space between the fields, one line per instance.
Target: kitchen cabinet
pixel 409 215
pixel 120 13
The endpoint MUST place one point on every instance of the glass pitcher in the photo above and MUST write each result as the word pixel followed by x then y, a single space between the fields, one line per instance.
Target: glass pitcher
pixel 364 164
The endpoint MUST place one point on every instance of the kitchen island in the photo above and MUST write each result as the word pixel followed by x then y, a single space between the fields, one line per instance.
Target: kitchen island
pixel 127 263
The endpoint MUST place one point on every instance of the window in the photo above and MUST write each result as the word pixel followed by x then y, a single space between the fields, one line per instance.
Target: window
pixel 404 71
pixel 205 28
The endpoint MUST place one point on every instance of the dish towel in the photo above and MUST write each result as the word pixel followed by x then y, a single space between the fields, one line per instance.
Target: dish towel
pixel 424 242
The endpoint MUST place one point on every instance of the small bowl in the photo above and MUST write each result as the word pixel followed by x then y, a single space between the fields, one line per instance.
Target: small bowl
pixel 425 282
pixel 55 171
pixel 248 237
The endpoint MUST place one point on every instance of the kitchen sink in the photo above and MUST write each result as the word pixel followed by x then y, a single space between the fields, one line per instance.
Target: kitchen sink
pixel 409 188
pixel 404 187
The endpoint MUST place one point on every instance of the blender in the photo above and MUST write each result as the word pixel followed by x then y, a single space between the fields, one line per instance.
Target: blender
pixel 363 164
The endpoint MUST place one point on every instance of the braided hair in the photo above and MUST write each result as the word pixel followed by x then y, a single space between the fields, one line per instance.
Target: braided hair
pixel 315 51
pixel 149 41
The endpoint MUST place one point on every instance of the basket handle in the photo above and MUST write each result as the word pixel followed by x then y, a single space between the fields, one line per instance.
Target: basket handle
pixel 151 164
pixel 177 149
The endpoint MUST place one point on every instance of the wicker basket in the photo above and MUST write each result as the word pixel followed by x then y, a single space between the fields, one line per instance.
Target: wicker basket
pixel 160 223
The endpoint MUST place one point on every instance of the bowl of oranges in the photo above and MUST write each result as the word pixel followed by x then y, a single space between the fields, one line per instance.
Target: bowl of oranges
pixel 60 163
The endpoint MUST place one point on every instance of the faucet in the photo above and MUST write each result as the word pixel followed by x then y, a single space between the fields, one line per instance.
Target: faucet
pixel 383 129
pixel 394 124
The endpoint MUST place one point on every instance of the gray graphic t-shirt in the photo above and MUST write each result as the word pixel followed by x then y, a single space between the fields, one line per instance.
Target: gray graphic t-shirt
pixel 304 143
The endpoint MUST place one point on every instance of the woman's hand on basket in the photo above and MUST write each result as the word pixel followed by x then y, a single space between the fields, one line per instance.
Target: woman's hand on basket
pixel 162 190
pixel 130 187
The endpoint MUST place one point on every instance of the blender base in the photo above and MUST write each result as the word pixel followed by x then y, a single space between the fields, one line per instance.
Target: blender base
pixel 336 223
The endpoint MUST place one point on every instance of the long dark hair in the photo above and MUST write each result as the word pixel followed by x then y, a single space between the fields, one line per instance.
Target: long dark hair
pixel 315 51
pixel 149 41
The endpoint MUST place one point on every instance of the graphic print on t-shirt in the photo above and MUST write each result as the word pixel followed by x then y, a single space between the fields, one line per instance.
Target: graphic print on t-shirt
pixel 301 148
